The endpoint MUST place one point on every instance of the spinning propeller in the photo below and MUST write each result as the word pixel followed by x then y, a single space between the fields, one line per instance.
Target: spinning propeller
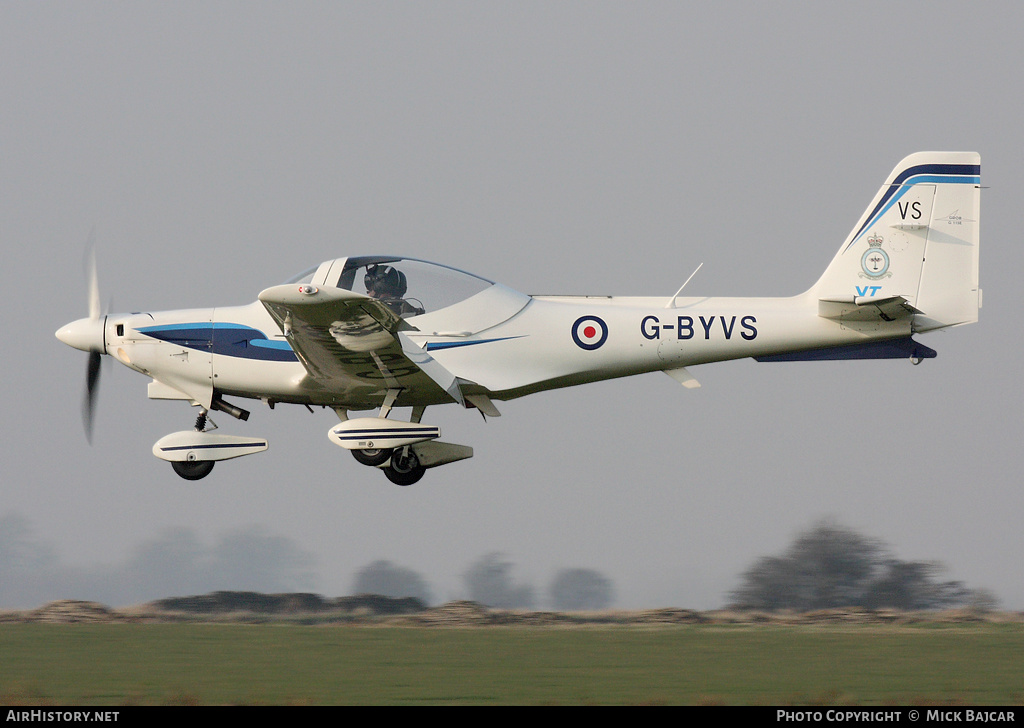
pixel 87 334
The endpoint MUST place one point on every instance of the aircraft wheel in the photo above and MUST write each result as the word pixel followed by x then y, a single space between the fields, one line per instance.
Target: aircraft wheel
pixel 405 468
pixel 373 458
pixel 193 470
pixel 399 478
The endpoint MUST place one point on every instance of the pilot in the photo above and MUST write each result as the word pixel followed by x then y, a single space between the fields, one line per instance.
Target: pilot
pixel 389 285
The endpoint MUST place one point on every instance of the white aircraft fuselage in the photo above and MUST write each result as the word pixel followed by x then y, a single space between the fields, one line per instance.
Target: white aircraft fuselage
pixel 370 332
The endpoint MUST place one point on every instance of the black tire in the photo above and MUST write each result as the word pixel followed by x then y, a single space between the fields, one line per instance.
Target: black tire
pixel 373 458
pixel 405 468
pixel 193 470
pixel 404 478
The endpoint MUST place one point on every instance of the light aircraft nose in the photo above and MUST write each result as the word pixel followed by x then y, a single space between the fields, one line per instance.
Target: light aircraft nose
pixel 85 334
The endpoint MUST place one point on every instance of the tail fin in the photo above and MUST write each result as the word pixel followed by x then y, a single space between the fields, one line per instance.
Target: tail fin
pixel 917 240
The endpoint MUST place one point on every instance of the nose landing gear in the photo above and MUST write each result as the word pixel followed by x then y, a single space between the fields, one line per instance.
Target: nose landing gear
pixel 192 469
pixel 192 453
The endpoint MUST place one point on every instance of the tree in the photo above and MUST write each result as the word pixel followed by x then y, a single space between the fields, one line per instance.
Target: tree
pixel 825 567
pixel 575 589
pixel 388 580
pixel 489 581
pixel 253 558
pixel 26 564
pixel 833 566
pixel 983 600
pixel 913 585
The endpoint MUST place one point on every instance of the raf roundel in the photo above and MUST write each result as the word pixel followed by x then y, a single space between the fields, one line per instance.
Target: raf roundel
pixel 589 332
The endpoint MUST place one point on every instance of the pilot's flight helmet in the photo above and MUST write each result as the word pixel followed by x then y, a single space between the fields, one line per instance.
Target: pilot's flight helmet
pixel 385 281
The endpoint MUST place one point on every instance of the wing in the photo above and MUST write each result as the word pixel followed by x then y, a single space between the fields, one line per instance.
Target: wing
pixel 353 346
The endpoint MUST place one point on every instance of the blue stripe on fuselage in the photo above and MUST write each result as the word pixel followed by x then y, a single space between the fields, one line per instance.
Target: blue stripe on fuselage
pixel 226 339
pixel 438 345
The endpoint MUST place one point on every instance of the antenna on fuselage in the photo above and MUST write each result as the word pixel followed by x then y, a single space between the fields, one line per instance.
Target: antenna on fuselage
pixel 672 301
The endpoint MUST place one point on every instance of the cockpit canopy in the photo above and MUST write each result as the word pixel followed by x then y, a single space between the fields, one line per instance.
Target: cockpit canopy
pixel 421 285
pixel 426 294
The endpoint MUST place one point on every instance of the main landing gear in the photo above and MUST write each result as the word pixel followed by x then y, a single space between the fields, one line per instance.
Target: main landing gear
pixel 400 464
pixel 403 450
pixel 372 457
pixel 406 465
pixel 405 468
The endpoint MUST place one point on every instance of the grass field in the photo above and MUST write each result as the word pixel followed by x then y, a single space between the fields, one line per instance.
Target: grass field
pixel 119 664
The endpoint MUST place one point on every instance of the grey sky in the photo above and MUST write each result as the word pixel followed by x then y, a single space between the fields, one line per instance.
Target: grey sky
pixel 587 147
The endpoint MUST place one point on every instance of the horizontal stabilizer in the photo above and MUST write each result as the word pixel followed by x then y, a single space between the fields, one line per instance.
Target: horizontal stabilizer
pixel 864 308
pixel 905 348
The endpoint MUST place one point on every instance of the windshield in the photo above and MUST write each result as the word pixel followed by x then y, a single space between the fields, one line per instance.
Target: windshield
pixel 304 277
pixel 410 287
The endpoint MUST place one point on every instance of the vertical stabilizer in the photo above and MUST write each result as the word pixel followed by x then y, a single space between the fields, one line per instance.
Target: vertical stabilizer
pixel 918 239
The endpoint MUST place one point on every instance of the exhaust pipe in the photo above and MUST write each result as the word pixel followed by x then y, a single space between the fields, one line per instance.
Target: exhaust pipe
pixel 237 412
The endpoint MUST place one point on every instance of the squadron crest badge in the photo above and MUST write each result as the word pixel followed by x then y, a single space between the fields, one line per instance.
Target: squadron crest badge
pixel 875 261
